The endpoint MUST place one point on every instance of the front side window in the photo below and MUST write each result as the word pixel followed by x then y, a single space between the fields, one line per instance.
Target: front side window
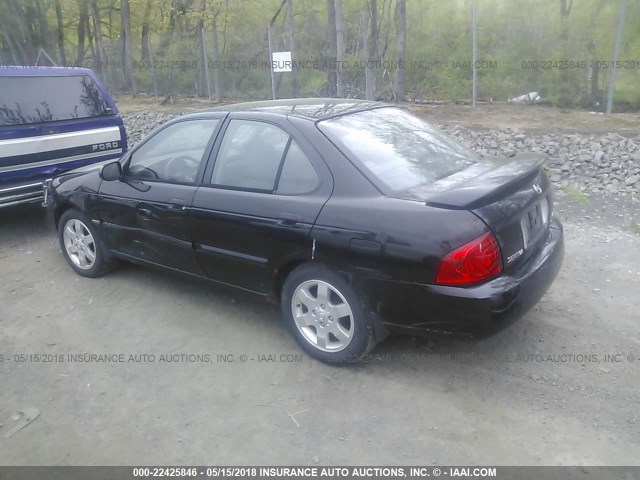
pixel 174 154
pixel 28 100
pixel 250 156
pixel 398 150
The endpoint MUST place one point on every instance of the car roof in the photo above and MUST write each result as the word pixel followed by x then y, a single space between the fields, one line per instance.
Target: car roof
pixel 42 71
pixel 311 108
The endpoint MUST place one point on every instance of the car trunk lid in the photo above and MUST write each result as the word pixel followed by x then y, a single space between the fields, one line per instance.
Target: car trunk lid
pixel 510 194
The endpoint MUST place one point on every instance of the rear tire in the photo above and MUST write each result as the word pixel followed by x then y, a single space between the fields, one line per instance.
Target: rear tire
pixel 326 315
pixel 81 244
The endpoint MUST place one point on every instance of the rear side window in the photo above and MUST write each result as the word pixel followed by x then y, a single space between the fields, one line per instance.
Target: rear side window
pixel 27 100
pixel 398 150
pixel 298 175
pixel 250 156
pixel 260 156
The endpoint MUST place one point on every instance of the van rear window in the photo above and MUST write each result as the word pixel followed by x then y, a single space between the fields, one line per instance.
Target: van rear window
pixel 27 100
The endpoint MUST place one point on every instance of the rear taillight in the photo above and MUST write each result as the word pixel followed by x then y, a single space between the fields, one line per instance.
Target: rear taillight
pixel 473 262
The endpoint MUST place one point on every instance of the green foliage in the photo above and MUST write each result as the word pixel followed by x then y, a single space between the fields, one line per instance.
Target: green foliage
pixel 522 44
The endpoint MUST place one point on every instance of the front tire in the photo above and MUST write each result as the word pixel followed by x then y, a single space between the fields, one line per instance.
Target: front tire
pixel 81 244
pixel 326 315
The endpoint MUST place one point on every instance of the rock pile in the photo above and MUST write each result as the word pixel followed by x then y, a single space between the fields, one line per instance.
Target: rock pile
pixel 608 163
pixel 139 124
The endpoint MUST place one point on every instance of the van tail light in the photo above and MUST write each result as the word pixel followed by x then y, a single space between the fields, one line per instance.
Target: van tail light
pixel 473 262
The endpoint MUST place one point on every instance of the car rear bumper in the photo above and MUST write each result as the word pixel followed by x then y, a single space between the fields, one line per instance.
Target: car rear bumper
pixel 417 309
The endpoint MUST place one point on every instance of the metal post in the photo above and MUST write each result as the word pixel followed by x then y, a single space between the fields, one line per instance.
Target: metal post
pixel 474 85
pixel 616 48
pixel 273 85
pixel 206 64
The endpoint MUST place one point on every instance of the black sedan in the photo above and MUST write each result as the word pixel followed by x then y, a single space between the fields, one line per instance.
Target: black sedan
pixel 359 218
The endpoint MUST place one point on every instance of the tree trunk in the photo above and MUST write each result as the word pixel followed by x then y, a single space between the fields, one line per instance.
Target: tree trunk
pixel 97 35
pixel 82 23
pixel 375 34
pixel 42 25
pixel 565 9
pixel 168 37
pixel 125 39
pixel 146 54
pixel 201 90
pixel 217 77
pixel 331 42
pixel 339 48
pixel 401 31
pixel 368 68
pixel 102 60
pixel 29 15
pixel 90 36
pixel 292 47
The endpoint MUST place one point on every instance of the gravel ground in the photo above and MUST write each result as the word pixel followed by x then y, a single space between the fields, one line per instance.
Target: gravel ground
pixel 541 392
pixel 559 387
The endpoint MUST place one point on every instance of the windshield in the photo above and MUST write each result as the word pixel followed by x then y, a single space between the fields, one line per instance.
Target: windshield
pixel 397 150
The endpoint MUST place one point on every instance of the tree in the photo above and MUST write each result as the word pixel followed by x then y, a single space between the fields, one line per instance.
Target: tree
pixel 217 73
pixel 82 24
pixel 101 55
pixel 339 47
pixel 145 44
pixel 370 46
pixel 331 43
pixel 401 32
pixel 292 47
pixel 125 40
pixel 41 15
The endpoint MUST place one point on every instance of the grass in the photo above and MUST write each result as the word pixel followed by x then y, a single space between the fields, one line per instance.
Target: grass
pixel 635 228
pixel 577 195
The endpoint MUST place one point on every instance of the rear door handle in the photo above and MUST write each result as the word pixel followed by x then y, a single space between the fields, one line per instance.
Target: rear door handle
pixel 287 219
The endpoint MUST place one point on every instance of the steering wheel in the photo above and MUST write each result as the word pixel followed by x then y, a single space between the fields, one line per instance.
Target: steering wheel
pixel 182 167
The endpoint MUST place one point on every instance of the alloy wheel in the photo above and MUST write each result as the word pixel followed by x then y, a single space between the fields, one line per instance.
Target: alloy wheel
pixel 79 244
pixel 322 315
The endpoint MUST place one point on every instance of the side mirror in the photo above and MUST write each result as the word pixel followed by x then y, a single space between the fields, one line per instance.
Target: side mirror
pixel 111 171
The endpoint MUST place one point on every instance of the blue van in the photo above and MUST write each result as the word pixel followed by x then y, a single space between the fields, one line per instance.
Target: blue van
pixel 52 120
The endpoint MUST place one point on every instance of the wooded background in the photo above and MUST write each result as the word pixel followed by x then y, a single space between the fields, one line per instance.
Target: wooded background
pixel 414 50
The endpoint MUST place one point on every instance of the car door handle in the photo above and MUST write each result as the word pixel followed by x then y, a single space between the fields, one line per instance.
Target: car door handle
pixel 144 212
pixel 287 219
pixel 178 203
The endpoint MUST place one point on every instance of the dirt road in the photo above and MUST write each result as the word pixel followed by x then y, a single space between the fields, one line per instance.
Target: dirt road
pixel 542 392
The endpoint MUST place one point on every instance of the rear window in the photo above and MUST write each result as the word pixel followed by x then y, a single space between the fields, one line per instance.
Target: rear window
pixel 26 100
pixel 396 150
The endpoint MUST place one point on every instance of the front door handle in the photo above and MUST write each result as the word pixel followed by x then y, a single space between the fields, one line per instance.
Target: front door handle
pixel 287 219
pixel 178 203
pixel 145 212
